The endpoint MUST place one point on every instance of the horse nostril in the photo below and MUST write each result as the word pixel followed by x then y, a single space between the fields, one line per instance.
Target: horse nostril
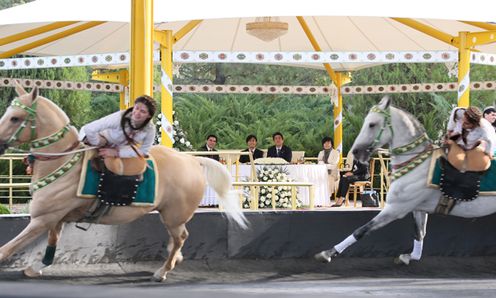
pixel 355 151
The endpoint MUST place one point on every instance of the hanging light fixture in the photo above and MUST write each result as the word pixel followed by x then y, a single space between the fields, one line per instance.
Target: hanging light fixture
pixel 267 28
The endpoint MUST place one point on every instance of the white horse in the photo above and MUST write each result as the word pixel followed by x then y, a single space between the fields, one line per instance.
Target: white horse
pixel 411 155
pixel 181 182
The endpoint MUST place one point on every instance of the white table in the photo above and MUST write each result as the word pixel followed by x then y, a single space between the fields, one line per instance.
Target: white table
pixel 316 174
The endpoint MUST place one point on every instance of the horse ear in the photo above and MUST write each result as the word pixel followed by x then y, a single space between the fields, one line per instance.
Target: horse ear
pixel 19 89
pixel 34 93
pixel 385 102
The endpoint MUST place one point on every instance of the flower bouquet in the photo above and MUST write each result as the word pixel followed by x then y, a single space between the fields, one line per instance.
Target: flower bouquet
pixel 282 193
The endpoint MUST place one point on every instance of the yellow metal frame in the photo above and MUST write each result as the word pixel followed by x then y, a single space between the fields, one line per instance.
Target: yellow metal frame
pixel 482 25
pixel 34 32
pixel 118 77
pixel 339 79
pixel 141 64
pixel 465 41
pixel 49 39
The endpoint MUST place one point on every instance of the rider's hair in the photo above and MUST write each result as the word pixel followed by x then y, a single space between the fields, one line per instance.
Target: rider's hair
pixel 473 115
pixel 150 103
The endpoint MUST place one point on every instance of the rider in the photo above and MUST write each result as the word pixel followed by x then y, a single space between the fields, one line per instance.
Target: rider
pixel 469 130
pixel 124 134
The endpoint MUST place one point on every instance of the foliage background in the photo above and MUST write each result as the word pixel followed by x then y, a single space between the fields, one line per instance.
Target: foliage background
pixel 303 120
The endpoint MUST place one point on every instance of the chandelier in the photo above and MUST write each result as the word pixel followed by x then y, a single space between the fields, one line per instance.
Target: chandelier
pixel 267 28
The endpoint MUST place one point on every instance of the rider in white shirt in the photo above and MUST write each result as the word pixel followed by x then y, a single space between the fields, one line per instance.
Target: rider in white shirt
pixel 468 129
pixel 124 134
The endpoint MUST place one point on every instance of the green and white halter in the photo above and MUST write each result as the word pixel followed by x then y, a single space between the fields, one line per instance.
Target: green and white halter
pixel 411 164
pixel 41 143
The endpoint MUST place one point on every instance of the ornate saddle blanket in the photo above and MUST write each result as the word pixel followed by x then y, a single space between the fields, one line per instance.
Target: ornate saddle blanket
pixel 141 192
pixel 487 184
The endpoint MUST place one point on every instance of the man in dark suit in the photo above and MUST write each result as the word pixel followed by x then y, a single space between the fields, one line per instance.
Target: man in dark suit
pixel 251 141
pixel 210 146
pixel 279 149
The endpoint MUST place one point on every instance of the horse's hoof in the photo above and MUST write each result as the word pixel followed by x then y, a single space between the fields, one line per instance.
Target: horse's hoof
pixel 403 259
pixel 323 256
pixel 179 258
pixel 31 273
pixel 158 278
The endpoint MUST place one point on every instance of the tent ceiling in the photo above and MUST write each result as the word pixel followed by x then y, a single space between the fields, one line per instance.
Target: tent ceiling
pixel 333 33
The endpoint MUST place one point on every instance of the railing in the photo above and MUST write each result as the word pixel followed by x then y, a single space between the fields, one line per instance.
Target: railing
pixel 16 184
pixel 255 190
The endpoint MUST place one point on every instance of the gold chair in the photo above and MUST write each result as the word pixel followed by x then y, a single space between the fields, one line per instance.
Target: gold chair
pixel 359 186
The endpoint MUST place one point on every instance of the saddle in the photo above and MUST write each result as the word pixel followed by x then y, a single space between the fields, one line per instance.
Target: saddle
pixel 461 173
pixel 119 179
pixel 474 160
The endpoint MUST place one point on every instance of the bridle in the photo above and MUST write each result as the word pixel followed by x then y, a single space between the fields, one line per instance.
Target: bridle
pixel 44 142
pixel 419 157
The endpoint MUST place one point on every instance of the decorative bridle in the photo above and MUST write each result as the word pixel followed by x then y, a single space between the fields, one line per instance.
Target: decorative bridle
pixel 405 167
pixel 44 142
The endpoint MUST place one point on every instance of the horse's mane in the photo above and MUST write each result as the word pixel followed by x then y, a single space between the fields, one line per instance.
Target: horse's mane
pixel 412 123
pixel 54 108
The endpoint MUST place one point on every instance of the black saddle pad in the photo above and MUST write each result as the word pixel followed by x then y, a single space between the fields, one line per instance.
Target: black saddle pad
pixel 457 185
pixel 117 190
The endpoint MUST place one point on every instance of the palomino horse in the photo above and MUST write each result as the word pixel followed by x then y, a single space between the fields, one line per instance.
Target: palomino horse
pixel 411 154
pixel 181 182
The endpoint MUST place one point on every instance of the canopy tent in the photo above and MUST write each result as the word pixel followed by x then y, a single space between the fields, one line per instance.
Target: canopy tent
pixel 323 27
pixel 332 29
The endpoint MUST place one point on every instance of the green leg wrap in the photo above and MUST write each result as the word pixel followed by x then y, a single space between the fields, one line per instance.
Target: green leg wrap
pixel 49 255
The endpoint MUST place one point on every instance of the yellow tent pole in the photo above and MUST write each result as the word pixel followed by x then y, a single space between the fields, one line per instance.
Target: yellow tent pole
pixel 49 39
pixel 141 64
pixel 119 77
pixel 482 25
pixel 33 32
pixel 316 46
pixel 339 80
pixel 185 30
pixel 166 41
pixel 463 71
pixel 440 35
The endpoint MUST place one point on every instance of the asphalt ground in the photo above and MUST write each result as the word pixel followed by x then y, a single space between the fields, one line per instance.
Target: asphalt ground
pixel 343 277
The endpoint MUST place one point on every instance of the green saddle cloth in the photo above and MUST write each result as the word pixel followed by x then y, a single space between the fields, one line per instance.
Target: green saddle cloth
pixel 145 194
pixel 487 183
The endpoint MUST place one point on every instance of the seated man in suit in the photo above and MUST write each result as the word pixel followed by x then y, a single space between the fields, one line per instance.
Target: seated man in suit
pixel 251 141
pixel 279 149
pixel 210 146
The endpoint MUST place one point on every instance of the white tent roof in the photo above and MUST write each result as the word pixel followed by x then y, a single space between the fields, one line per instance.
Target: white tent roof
pixel 223 28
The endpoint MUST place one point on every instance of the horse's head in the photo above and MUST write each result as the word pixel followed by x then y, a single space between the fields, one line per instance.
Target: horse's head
pixel 17 124
pixel 376 131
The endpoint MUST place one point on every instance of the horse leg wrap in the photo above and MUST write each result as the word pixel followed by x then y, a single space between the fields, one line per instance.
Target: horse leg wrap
pixel 49 255
pixel 445 205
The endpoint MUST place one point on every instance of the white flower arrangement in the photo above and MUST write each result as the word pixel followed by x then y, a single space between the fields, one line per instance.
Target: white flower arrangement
pixel 282 194
pixel 180 138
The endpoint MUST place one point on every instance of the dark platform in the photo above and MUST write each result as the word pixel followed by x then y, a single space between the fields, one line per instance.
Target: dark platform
pixel 273 235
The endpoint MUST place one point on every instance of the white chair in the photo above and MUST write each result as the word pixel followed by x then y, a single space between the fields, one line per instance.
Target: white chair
pixel 298 156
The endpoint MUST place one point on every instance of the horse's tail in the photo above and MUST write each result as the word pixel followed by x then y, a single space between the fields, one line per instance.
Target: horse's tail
pixel 220 180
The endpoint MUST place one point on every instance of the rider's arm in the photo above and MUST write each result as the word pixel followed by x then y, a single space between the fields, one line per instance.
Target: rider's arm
pixel 145 144
pixel 93 129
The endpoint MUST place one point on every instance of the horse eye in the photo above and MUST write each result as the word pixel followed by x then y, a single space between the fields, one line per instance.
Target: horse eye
pixel 371 125
pixel 15 119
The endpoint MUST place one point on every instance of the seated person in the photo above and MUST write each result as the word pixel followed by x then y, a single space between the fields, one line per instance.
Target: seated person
pixel 251 141
pixel 330 157
pixel 469 130
pixel 354 171
pixel 210 146
pixel 490 115
pixel 279 149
